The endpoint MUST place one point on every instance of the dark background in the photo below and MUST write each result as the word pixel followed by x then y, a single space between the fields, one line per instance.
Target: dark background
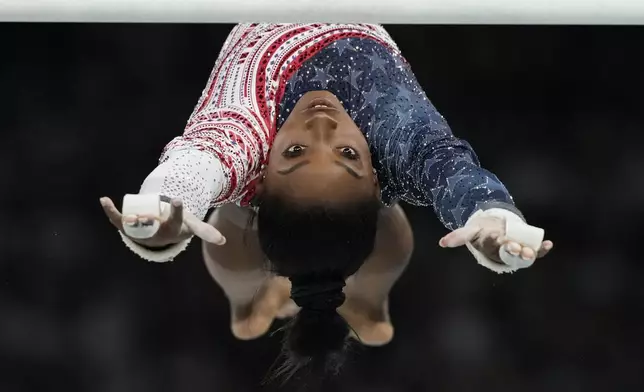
pixel 554 111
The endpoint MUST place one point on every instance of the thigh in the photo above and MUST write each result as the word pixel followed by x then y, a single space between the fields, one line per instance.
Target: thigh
pixel 241 252
pixel 368 289
pixel 256 296
pixel 394 243
pixel 366 307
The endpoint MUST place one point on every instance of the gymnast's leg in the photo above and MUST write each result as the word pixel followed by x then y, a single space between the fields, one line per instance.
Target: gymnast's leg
pixel 367 291
pixel 256 296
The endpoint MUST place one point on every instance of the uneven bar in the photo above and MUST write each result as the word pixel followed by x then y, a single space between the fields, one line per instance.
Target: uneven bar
pixel 345 11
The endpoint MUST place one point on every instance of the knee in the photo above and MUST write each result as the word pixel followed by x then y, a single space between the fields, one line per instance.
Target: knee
pixel 402 234
pixel 395 239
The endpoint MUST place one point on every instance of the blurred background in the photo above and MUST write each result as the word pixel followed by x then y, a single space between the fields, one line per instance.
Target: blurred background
pixel 556 112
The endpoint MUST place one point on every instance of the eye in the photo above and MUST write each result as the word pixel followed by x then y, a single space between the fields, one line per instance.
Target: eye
pixel 349 153
pixel 294 151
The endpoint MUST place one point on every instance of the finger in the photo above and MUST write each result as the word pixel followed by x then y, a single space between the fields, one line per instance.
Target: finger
pixel 546 246
pixel 459 237
pixel 513 248
pixel 511 254
pixel 129 219
pixel 527 253
pixel 204 231
pixel 112 212
pixel 514 261
pixel 145 221
pixel 175 220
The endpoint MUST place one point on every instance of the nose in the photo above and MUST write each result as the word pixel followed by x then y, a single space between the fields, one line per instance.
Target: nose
pixel 321 124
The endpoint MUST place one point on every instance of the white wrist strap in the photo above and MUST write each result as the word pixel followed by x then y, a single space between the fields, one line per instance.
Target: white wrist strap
pixel 525 235
pixel 516 230
pixel 143 205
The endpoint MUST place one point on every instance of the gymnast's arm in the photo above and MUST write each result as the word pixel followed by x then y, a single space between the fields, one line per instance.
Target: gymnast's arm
pixel 196 178
pixel 204 168
pixel 210 163
pixel 443 171
pixel 451 179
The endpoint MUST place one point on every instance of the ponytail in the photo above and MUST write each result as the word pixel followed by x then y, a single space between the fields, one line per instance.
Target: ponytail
pixel 318 336
pixel 317 248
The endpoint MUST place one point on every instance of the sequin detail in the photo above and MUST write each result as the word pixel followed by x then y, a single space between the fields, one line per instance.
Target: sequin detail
pixel 194 176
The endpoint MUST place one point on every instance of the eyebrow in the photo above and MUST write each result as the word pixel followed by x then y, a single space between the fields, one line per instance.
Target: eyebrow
pixel 293 168
pixel 349 169
pixel 304 163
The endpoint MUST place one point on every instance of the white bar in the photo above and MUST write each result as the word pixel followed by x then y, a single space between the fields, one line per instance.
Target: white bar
pixel 340 11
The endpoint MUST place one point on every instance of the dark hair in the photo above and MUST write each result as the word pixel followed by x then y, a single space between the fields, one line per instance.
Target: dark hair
pixel 317 247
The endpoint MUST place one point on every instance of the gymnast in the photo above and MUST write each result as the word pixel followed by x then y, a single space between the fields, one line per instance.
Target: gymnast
pixel 304 141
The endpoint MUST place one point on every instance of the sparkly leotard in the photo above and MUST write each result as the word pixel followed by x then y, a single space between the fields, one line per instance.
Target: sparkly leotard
pixel 261 73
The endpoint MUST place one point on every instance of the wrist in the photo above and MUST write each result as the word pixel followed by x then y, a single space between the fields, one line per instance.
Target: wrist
pixel 504 207
pixel 160 255
pixel 154 247
pixel 154 244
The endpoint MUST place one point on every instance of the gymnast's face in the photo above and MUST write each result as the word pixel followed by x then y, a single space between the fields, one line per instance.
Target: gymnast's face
pixel 320 155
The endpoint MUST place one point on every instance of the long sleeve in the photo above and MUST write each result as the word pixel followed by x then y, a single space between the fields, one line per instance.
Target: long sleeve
pixel 446 171
pixel 435 167
pixel 195 176
pixel 225 139
pixel 432 166
pixel 420 160
pixel 219 152
pixel 424 163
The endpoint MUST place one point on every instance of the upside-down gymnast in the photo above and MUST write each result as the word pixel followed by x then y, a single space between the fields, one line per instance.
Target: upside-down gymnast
pixel 305 139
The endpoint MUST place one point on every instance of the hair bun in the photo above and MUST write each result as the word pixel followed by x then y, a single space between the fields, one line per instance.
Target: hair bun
pixel 318 293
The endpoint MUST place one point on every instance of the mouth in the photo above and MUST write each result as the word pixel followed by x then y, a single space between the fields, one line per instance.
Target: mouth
pixel 320 104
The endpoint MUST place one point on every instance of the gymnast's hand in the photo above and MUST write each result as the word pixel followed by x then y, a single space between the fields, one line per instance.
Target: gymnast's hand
pixel 487 235
pixel 176 225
